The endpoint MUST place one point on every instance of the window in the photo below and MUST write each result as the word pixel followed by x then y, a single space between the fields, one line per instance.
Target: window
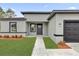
pixel 13 27
pixel 32 27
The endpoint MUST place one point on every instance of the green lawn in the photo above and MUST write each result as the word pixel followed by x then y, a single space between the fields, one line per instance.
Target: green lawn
pixel 22 47
pixel 49 43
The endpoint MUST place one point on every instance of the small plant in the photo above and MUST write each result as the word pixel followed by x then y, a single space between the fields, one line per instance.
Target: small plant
pixel 0 36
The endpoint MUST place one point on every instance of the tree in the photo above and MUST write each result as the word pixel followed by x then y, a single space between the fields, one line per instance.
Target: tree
pixel 1 13
pixel 10 13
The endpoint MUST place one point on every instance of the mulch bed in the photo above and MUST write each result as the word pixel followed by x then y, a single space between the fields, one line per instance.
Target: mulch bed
pixel 11 38
pixel 62 45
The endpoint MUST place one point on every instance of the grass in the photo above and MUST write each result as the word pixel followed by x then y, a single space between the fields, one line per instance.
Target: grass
pixel 22 47
pixel 49 43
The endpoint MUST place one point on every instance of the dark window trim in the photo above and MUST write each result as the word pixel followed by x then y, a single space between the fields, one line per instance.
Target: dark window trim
pixel 58 35
pixel 10 26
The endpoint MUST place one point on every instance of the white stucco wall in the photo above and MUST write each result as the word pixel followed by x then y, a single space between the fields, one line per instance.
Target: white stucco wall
pixel 60 23
pixel 52 28
pixel 61 17
pixel 56 25
pixel 45 29
pixel 4 26
pixel 21 27
pixel 36 17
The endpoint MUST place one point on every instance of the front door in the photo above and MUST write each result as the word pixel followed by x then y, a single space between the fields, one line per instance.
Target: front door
pixel 39 29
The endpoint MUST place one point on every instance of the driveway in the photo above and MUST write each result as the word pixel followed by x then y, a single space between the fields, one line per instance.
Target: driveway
pixel 74 46
pixel 62 52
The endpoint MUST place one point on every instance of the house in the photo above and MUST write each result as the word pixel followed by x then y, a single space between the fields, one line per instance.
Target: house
pixel 64 25
pixel 60 25
pixel 13 26
pixel 37 23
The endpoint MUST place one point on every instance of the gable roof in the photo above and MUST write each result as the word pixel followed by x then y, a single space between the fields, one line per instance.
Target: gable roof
pixel 17 18
pixel 35 12
pixel 63 12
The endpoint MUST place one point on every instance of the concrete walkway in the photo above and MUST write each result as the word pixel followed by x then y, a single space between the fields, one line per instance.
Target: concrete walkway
pixel 40 50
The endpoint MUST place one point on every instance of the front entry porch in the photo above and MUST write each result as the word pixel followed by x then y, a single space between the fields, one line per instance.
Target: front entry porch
pixel 34 28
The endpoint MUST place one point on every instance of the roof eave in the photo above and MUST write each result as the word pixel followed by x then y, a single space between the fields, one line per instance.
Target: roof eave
pixel 35 12
pixel 63 12
pixel 19 18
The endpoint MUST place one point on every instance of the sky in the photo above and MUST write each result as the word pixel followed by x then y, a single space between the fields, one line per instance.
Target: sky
pixel 18 7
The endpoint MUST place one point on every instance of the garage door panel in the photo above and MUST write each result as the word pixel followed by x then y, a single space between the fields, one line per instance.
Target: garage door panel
pixel 71 31
pixel 67 39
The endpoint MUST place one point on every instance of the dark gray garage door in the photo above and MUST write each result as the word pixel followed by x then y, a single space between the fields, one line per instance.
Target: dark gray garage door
pixel 71 31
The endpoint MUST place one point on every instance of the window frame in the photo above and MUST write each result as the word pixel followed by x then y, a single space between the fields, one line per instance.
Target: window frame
pixel 11 26
pixel 30 27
